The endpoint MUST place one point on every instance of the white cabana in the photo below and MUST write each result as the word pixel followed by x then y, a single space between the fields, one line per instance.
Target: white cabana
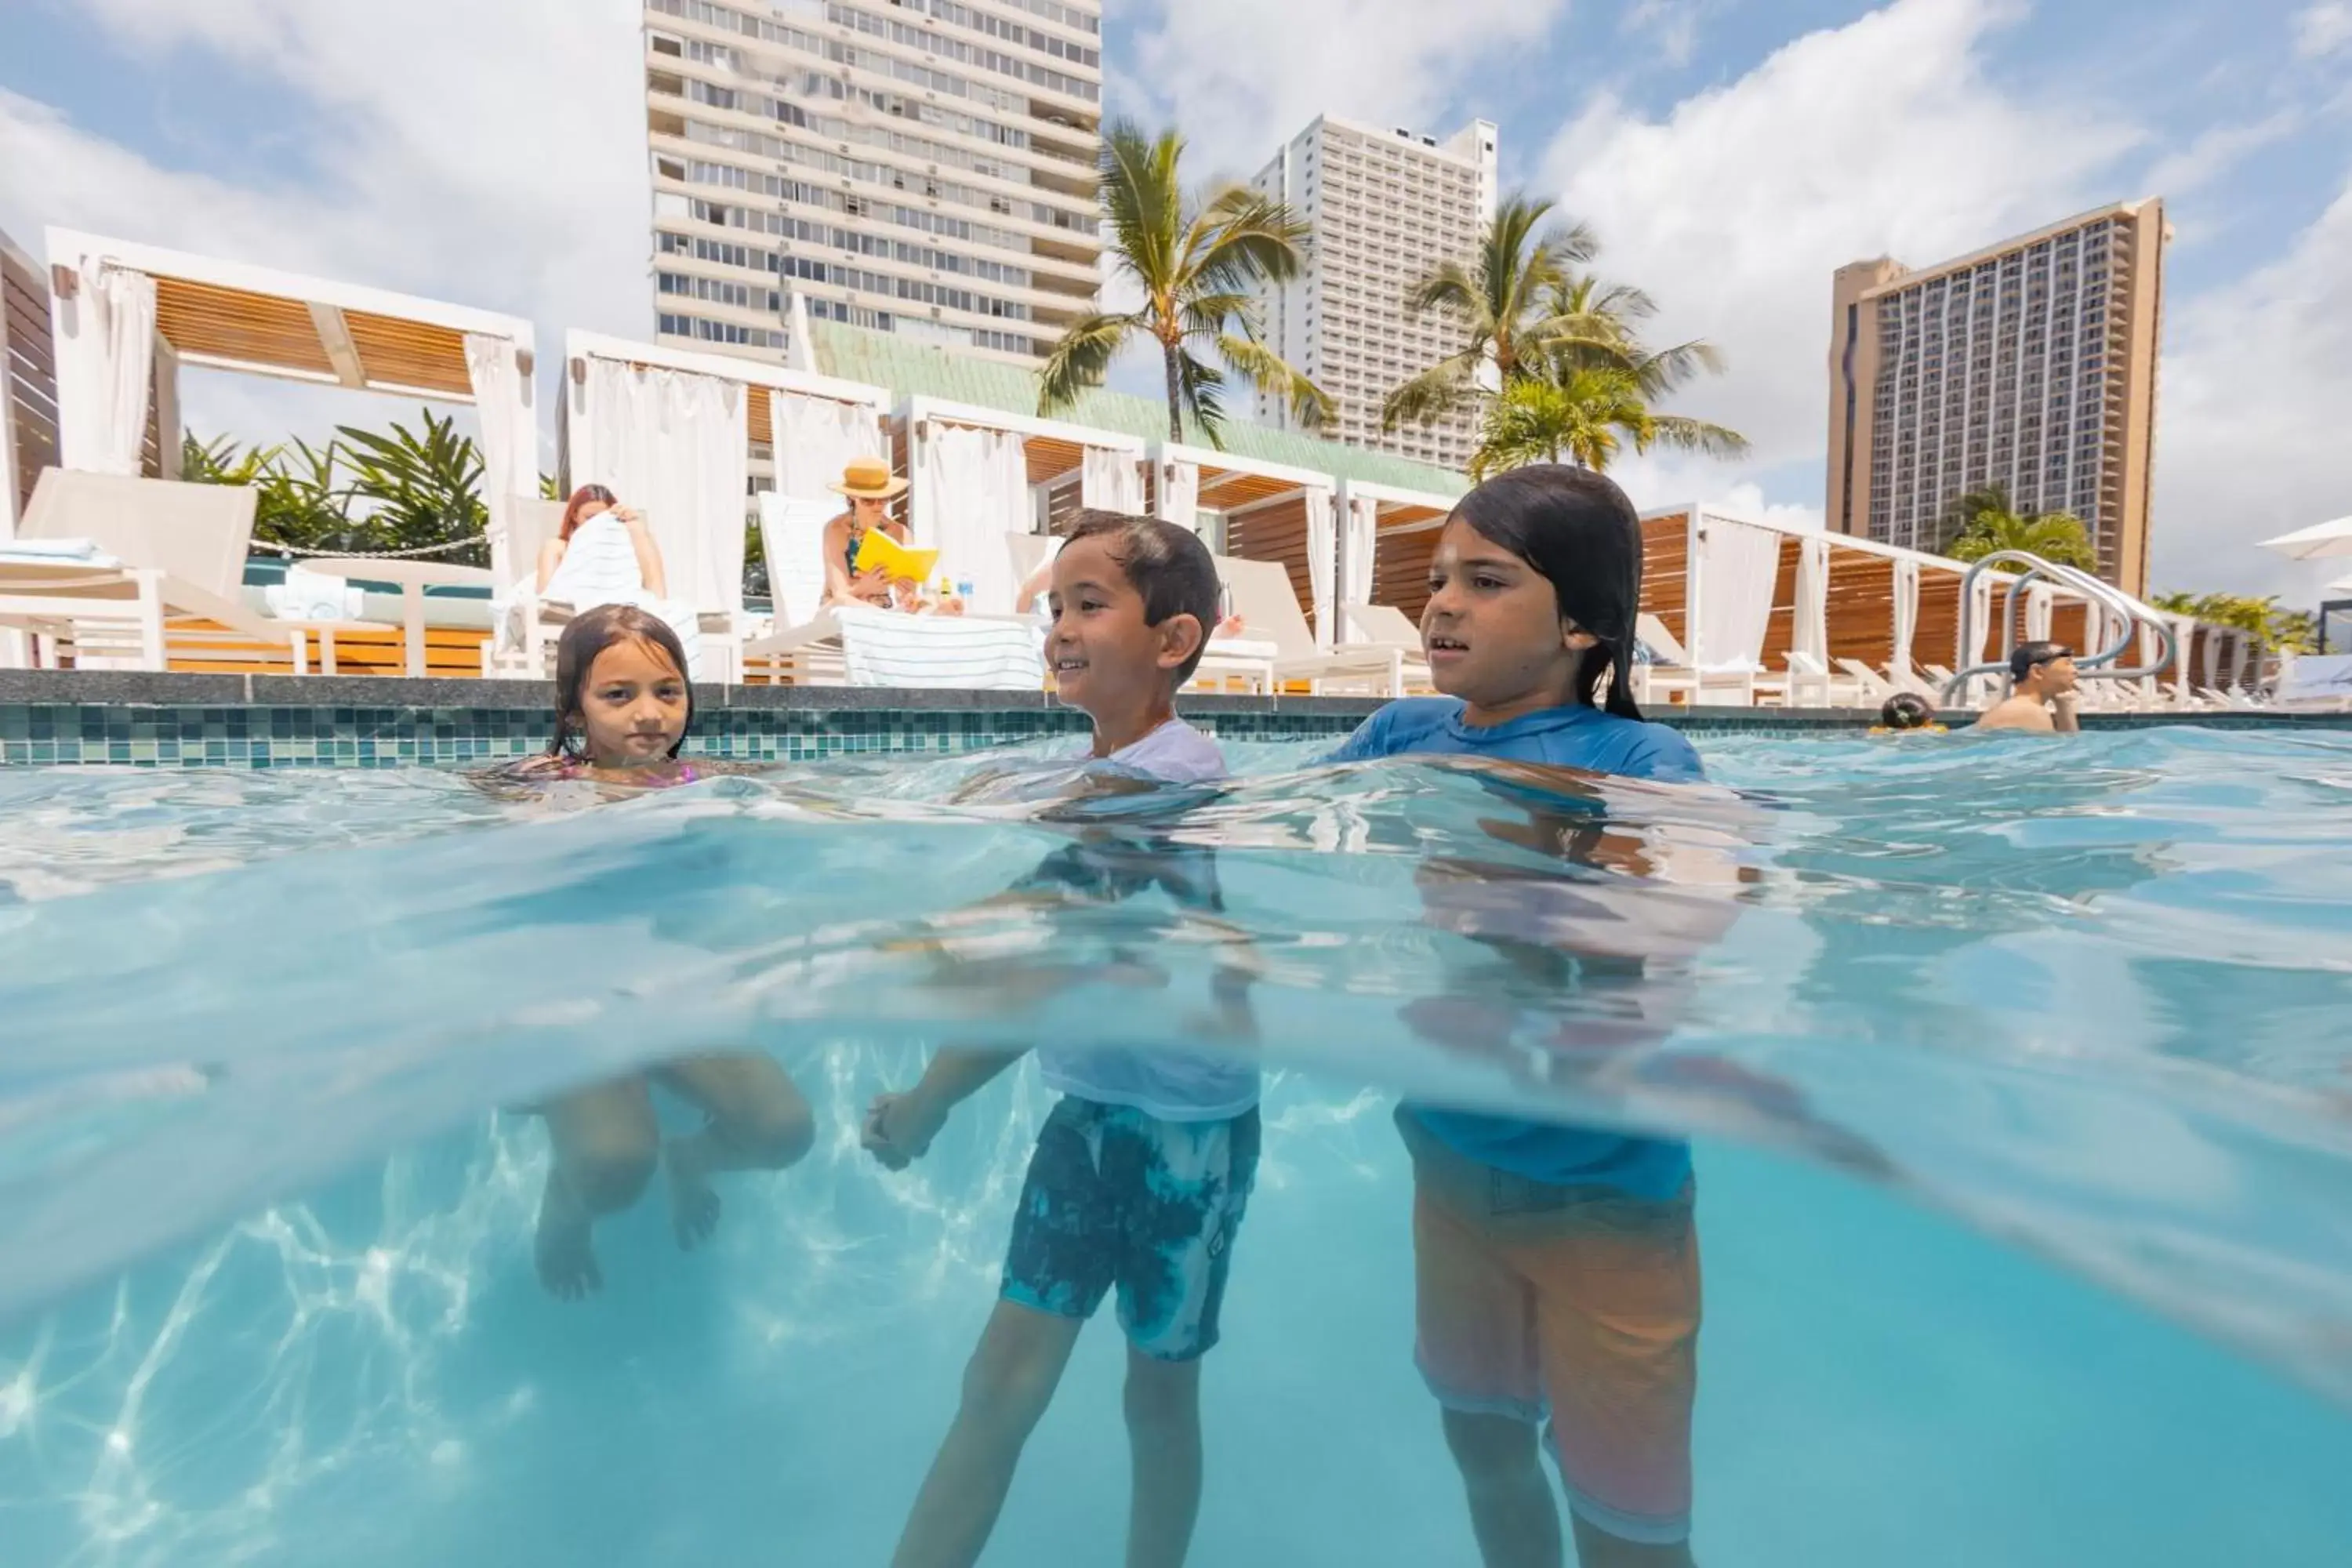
pixel 980 474
pixel 126 317
pixel 1266 511
pixel 682 436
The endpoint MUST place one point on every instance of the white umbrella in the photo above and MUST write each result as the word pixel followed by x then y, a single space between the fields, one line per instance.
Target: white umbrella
pixel 2320 538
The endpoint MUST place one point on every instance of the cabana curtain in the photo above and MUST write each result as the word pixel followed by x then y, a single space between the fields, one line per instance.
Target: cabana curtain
pixel 1177 494
pixel 1359 541
pixel 1321 543
pixel 675 446
pixel 1735 567
pixel 1110 480
pixel 1906 619
pixel 106 363
pixel 973 488
pixel 1810 634
pixel 2040 604
pixel 815 439
pixel 510 446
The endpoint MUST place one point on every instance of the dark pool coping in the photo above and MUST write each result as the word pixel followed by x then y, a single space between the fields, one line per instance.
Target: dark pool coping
pixel 131 689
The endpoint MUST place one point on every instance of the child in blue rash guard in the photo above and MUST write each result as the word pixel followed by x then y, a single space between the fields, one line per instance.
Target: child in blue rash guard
pixel 1557 1266
pixel 1144 1168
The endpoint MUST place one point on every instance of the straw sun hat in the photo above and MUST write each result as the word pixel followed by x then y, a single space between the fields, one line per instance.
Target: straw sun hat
pixel 869 479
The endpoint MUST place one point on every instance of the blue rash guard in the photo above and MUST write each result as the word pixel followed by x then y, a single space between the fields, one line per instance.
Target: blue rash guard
pixel 1598 743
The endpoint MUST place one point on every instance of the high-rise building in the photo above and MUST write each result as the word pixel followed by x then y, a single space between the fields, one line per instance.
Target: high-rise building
pixel 925 167
pixel 2030 366
pixel 1383 208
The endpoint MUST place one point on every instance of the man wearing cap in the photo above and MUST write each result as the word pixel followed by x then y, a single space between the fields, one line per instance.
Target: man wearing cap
pixel 870 487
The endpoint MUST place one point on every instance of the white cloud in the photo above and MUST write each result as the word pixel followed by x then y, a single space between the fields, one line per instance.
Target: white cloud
pixel 1672 23
pixel 1890 135
pixel 2253 411
pixel 2321 30
pixel 1242 77
pixel 488 154
pixel 2216 151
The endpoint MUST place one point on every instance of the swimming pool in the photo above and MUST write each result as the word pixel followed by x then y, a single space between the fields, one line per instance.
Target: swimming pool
pixel 2018 1074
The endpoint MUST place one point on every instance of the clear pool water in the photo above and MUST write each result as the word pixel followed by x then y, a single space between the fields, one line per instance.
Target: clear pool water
pixel 2018 1074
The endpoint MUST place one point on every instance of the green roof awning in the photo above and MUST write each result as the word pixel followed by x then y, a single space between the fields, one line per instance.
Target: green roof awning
pixel 920 369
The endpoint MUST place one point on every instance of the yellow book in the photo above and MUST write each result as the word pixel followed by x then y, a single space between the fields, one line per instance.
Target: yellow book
pixel 878 549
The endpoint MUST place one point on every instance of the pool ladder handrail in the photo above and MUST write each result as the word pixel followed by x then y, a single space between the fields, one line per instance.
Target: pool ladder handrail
pixel 2128 611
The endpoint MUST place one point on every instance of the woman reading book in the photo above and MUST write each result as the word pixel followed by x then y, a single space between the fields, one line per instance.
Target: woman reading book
pixel 870 487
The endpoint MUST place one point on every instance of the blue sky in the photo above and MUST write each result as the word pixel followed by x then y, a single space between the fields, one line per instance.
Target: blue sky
pixel 1732 153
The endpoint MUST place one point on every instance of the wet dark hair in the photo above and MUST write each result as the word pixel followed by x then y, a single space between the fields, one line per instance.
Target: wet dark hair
pixel 1169 566
pixel 590 634
pixel 2026 657
pixel 1906 711
pixel 1581 533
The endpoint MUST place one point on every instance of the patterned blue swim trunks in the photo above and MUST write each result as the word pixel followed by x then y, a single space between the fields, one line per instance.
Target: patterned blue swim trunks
pixel 1118 1196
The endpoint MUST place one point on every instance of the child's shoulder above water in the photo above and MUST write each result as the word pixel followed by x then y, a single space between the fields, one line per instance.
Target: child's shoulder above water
pixel 1568 736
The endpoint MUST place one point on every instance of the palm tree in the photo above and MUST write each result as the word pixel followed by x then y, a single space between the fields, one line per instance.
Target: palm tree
pixel 421 488
pixel 2057 536
pixel 1505 300
pixel 1597 323
pixel 1197 265
pixel 1586 417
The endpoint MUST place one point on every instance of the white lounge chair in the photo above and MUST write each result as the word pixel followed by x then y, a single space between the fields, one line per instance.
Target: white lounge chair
pixel 1874 687
pixel 1810 684
pixel 1385 626
pixel 1668 676
pixel 161 583
pixel 1261 594
pixel 804 645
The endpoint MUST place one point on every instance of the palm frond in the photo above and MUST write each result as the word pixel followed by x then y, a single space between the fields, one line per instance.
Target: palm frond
pixel 1680 434
pixel 1261 367
pixel 1197 385
pixel 1433 394
pixel 1449 286
pixel 1143 200
pixel 1080 358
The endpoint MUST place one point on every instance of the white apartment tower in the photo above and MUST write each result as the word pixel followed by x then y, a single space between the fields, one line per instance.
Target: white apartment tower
pixel 1384 207
pixel 923 167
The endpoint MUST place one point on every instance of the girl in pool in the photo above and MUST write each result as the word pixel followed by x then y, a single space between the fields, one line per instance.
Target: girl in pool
pixel 1557 1266
pixel 622 708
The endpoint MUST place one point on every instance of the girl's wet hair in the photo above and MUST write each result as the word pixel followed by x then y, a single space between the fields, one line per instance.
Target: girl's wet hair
pixel 1581 533
pixel 1906 711
pixel 590 634
pixel 582 499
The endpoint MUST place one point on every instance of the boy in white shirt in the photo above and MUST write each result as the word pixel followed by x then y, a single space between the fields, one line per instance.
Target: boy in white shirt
pixel 1144 1168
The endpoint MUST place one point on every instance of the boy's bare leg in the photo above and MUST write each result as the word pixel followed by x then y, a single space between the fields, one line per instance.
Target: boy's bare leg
pixel 1596 1548
pixel 1006 1387
pixel 758 1121
pixel 1511 1507
pixel 1163 1434
pixel 605 1141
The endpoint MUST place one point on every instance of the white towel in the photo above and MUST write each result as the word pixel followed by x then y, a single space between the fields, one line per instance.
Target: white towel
pixel 886 647
pixel 600 567
pixel 78 552
pixel 307 595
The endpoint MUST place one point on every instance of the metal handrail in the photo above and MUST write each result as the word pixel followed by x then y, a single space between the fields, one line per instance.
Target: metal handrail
pixel 2129 612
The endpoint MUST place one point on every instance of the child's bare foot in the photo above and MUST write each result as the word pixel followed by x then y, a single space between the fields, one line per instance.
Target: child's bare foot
pixel 693 1202
pixel 567 1260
